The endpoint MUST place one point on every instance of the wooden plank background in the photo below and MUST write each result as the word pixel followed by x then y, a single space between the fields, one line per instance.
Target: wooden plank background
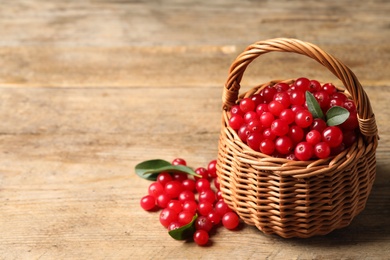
pixel 90 88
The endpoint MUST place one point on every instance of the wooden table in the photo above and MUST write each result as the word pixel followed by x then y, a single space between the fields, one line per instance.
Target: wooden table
pixel 91 88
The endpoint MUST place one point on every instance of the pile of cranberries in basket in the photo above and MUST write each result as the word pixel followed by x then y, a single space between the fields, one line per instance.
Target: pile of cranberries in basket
pixel 303 120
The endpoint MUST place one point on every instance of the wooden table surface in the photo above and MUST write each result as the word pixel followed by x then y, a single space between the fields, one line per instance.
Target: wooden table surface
pixel 88 89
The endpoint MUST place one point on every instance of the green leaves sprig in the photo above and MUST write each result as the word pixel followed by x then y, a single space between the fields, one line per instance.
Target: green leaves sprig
pixel 151 168
pixel 334 116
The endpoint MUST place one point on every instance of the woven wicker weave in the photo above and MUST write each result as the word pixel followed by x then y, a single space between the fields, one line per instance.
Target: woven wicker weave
pixel 296 198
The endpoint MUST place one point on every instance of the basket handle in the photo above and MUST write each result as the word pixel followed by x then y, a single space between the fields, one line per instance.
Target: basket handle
pixel 366 116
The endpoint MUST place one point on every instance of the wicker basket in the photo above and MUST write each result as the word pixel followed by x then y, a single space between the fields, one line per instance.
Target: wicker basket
pixel 296 198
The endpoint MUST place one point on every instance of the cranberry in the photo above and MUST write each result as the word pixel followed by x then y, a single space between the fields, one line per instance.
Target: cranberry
pixel 268 93
pixel 236 122
pixel 167 216
pixel 303 118
pixel 148 202
pixel 284 144
pixel 333 136
pixel 201 237
pixel 304 151
pixel 279 127
pixel 230 220
pixel 302 84
pixel 247 105
pixel 322 150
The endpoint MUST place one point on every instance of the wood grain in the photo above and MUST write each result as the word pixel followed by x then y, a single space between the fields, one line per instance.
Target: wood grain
pixel 90 89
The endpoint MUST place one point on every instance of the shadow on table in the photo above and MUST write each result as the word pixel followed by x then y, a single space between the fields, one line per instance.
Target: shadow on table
pixel 372 224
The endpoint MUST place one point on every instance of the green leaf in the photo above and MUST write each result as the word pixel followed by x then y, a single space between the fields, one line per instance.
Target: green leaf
pixel 313 106
pixel 184 232
pixel 151 168
pixel 336 115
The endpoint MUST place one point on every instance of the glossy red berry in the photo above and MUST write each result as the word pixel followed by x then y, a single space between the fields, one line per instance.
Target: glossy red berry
pixel 202 185
pixel 266 119
pixel 188 184
pixel 268 93
pixel 148 202
pixel 186 195
pixel 185 217
pixel 267 134
pixel 313 137
pixel 163 178
pixel 155 189
pixel 302 84
pixel 221 207
pixel 303 118
pixel 254 140
pixel 322 98
pixel 203 223
pixel 314 86
pixel 207 195
pixel 257 99
pixel 236 110
pixel 296 134
pixel 267 146
pixel 162 200
pixel 333 136
pixel 260 109
pixel 275 107
pixel 190 206
pixel 283 98
pixel 297 97
pixel 236 122
pixel 279 127
pixel 167 216
pixel 204 208
pixel 179 161
pixel 284 145
pixel 173 189
pixel 201 237
pixel 247 104
pixel 214 217
pixel 230 220
pixel 243 133
pixel 250 116
pixel 329 88
pixel 175 205
pixel 322 150
pixel 304 151
pixel 287 115
pixel 254 126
